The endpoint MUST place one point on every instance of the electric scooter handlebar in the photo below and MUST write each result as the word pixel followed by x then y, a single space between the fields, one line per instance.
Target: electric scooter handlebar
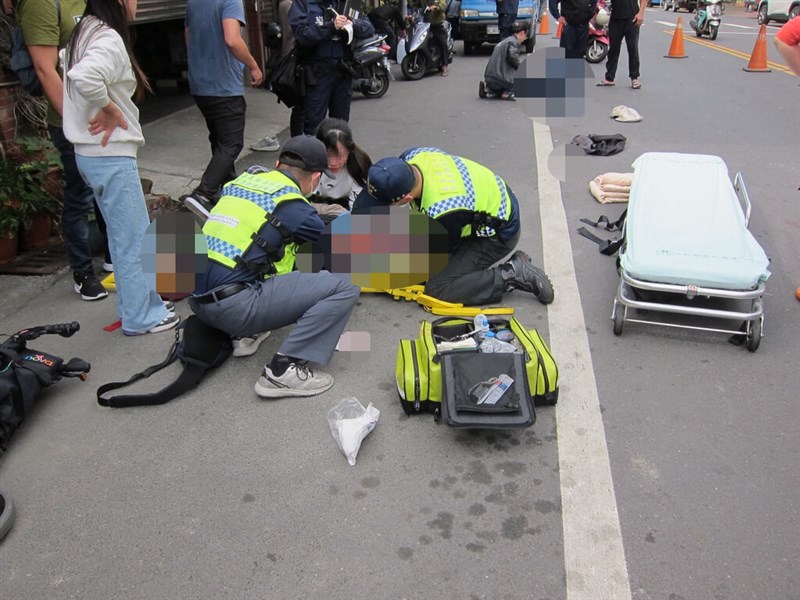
pixel 63 329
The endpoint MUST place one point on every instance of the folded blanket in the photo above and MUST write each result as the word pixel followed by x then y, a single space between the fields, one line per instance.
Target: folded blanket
pixel 611 187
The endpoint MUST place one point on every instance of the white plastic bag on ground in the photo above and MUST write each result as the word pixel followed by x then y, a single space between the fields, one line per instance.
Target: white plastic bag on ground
pixel 350 423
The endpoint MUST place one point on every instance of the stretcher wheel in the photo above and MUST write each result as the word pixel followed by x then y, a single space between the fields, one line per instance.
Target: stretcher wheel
pixel 754 335
pixel 618 317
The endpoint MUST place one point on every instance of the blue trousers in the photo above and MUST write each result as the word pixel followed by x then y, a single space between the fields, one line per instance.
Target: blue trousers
pixel 78 203
pixel 116 185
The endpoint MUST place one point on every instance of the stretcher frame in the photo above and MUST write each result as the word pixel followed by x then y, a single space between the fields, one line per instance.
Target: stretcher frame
pixel 753 316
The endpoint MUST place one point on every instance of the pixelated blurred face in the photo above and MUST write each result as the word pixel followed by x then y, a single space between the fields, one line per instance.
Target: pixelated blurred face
pixel 174 254
pixel 337 157
pixel 390 248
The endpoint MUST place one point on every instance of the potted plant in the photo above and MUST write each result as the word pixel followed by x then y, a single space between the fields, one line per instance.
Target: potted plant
pixel 34 152
pixel 9 239
pixel 37 206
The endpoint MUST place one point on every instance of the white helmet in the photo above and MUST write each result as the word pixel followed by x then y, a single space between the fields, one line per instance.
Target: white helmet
pixel 602 18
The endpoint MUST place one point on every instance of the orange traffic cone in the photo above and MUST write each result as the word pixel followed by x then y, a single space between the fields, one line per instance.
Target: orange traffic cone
pixel 544 28
pixel 557 36
pixel 676 47
pixel 758 59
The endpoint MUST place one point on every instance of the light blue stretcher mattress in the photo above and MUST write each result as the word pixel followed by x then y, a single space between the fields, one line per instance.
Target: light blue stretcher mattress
pixel 685 225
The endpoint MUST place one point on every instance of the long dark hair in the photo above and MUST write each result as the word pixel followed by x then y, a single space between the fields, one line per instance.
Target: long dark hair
pixel 113 14
pixel 331 131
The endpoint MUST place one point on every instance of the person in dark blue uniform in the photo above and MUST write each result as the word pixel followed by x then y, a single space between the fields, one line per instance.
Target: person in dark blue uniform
pixel 322 42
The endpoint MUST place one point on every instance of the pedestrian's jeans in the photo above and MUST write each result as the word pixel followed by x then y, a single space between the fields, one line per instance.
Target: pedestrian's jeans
pixel 116 185
pixel 78 203
pixel 224 117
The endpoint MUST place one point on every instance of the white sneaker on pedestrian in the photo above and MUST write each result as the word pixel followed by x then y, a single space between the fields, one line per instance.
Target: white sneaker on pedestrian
pixel 298 380
pixel 268 144
pixel 247 346
pixel 198 205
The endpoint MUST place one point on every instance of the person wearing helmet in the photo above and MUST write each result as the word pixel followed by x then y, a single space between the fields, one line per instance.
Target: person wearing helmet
pixel 498 78
pixel 627 17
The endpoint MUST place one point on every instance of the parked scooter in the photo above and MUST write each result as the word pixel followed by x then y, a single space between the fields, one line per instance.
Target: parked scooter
pixel 598 42
pixel 370 66
pixel 707 19
pixel 422 53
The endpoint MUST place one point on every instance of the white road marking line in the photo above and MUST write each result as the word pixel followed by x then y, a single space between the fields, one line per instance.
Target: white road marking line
pixel 739 26
pixel 594 556
pixel 666 23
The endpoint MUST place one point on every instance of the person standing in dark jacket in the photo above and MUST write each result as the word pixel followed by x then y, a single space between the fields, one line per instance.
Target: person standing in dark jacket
pixel 627 17
pixel 574 17
pixel 387 20
pixel 322 38
pixel 506 15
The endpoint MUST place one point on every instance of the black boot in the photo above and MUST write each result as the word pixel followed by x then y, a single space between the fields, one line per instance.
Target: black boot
pixel 520 274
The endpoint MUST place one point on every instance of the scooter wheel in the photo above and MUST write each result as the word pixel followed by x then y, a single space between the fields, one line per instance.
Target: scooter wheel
pixel 379 88
pixel 596 52
pixel 413 66
pixel 713 33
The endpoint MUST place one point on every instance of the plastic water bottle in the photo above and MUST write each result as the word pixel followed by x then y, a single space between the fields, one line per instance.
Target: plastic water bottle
pixel 481 327
pixel 491 344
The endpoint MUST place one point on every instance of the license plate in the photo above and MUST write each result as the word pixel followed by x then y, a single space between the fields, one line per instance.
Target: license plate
pixel 492 29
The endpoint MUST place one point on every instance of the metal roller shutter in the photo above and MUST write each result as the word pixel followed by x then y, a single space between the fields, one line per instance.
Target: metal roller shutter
pixel 151 11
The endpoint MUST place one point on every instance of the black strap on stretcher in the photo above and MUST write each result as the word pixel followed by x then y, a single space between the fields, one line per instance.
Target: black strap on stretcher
pixel 607 247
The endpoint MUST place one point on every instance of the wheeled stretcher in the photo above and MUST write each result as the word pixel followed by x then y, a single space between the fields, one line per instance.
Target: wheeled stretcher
pixel 688 249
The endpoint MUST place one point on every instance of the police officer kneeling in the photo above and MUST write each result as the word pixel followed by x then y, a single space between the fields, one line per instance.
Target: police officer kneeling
pixel 250 287
pixel 480 214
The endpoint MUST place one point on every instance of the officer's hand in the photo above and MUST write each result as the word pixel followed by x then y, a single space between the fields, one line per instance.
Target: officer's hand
pixel 257 76
pixel 340 22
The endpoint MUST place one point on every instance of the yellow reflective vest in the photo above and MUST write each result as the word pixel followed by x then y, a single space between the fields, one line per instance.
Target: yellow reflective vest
pixel 452 183
pixel 246 204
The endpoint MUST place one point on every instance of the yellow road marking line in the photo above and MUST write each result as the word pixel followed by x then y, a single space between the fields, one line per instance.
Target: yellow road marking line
pixel 732 52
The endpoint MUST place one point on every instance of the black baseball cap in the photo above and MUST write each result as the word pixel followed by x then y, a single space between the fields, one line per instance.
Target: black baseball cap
pixel 305 152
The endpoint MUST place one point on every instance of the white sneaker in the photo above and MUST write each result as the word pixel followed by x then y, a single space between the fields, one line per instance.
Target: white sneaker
pixel 169 322
pixel 298 380
pixel 248 346
pixel 268 144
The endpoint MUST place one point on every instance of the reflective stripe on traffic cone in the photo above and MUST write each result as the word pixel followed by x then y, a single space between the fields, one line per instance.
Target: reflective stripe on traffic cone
pixel 557 36
pixel 544 27
pixel 676 47
pixel 758 59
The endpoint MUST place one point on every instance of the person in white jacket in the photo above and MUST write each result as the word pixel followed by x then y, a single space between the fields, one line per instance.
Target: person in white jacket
pixel 102 122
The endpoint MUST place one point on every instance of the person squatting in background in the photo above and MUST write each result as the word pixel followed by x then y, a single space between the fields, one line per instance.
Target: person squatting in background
pixel 102 121
pixel 498 78
pixel 321 38
pixel 347 170
pixel 388 20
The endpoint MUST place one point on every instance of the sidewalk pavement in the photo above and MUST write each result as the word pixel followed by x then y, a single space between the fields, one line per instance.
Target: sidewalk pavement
pixel 174 158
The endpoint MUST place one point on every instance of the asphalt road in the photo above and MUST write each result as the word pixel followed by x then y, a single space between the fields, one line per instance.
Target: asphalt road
pixel 221 495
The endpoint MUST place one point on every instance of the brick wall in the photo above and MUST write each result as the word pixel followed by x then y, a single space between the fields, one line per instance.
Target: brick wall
pixel 8 96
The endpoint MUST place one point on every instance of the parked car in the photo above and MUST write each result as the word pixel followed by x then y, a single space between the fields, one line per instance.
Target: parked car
pixel 777 10
pixel 689 5
pixel 475 22
pixel 652 3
